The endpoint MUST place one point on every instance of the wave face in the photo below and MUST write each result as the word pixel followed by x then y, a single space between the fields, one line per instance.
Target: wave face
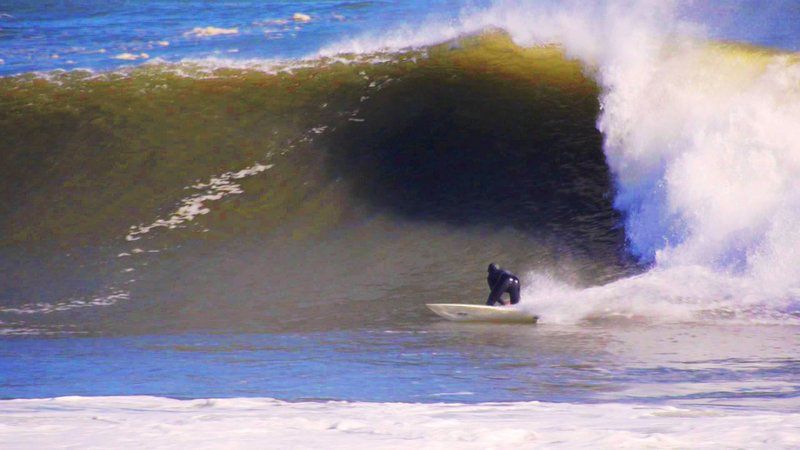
pixel 168 189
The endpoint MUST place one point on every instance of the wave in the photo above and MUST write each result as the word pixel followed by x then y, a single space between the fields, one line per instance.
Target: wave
pixel 180 159
pixel 701 142
pixel 688 125
pixel 591 143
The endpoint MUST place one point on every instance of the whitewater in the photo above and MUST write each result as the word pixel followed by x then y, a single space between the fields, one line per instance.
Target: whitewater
pixel 265 423
pixel 224 228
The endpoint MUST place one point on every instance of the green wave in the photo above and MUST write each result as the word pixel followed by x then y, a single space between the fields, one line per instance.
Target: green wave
pixel 85 156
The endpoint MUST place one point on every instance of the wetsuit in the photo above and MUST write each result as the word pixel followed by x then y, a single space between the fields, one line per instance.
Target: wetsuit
pixel 502 281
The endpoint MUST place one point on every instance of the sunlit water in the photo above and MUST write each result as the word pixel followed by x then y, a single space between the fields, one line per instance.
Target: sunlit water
pixel 713 366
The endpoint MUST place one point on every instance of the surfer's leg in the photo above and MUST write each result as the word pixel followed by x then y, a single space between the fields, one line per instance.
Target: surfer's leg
pixel 513 291
pixel 497 293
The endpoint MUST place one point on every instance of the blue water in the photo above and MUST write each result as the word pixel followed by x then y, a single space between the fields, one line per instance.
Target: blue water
pixel 723 366
pixel 719 365
pixel 47 35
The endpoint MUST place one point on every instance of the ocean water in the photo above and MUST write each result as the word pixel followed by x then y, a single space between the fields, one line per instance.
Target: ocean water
pixel 229 216
pixel 43 36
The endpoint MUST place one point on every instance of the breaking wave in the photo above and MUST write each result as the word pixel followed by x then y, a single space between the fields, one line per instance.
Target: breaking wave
pixel 631 167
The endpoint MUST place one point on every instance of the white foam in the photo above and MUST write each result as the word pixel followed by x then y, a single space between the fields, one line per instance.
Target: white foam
pixel 131 56
pixel 405 37
pixel 300 17
pixel 66 305
pixel 211 31
pixel 126 422
pixel 259 23
pixel 217 188
pixel 206 66
pixel 687 293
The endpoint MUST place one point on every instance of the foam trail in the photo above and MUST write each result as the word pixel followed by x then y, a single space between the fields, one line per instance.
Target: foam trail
pixel 216 188
pixel 662 295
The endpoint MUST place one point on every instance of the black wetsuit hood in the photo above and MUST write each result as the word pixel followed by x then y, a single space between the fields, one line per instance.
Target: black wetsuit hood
pixel 496 274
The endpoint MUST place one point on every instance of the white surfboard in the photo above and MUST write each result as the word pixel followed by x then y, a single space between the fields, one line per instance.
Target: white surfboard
pixel 482 313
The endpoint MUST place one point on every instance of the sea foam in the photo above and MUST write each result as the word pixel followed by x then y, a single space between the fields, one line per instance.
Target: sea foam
pixel 211 31
pixel 124 422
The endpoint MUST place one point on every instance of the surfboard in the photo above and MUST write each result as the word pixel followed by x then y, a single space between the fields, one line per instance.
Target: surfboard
pixel 482 313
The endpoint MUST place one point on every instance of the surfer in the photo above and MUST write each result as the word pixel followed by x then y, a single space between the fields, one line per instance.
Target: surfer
pixel 500 282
